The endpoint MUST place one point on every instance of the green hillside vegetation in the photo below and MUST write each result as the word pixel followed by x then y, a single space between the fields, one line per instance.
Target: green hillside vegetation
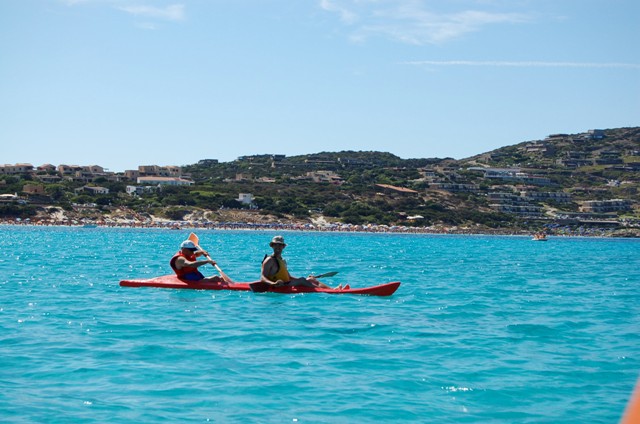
pixel 381 188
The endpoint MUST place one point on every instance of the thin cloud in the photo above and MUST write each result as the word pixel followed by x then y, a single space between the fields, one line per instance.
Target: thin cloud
pixel 345 14
pixel 174 12
pixel 525 64
pixel 410 22
pixel 73 2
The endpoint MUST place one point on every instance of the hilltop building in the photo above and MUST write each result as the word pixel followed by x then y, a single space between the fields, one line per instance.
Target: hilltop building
pixel 17 169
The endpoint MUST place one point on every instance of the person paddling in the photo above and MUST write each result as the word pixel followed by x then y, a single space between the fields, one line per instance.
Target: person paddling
pixel 275 272
pixel 185 263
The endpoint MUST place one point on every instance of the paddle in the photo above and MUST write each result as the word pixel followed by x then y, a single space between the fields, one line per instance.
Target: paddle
pixel 261 287
pixel 326 274
pixel 194 238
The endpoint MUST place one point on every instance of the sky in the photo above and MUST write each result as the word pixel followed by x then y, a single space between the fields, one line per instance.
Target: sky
pixel 123 83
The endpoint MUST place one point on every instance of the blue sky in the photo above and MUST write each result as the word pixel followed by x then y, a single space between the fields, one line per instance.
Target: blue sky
pixel 122 83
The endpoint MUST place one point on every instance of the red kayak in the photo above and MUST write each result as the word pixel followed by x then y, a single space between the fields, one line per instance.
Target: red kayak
pixel 172 282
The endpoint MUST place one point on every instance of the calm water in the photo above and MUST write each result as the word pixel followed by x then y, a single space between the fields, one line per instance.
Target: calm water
pixel 482 330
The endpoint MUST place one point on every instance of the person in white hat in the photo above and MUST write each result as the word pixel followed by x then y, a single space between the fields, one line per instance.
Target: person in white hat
pixel 275 272
pixel 185 263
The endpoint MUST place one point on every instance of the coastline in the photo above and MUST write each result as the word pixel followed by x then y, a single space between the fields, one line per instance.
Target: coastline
pixel 319 227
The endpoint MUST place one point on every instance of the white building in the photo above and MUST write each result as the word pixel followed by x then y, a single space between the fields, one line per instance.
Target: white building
pixel 171 181
pixel 245 198
pixel 138 190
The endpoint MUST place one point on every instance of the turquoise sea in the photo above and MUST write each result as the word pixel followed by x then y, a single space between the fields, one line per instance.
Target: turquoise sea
pixel 482 330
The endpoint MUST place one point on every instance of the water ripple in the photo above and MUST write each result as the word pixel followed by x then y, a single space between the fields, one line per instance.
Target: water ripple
pixel 483 329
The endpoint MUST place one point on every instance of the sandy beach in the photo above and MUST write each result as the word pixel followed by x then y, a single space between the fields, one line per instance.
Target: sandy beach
pixel 252 220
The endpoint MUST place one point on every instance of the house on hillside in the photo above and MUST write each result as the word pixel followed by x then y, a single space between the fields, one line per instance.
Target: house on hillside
pixel 92 190
pixel 17 169
pixel 541 196
pixel 208 162
pixel 609 157
pixel 131 174
pixel 33 189
pixel 245 198
pixel 243 177
pixel 9 198
pixel 575 159
pixel 544 149
pixel 159 171
pixel 170 181
pixel 86 174
pixel 554 138
pixel 36 193
pixel 325 177
pixel 595 134
pixel 47 167
pixel 599 206
pixel 513 204
pixel 455 187
pixel 511 175
pixel 140 190
pixel 68 170
pixel 48 178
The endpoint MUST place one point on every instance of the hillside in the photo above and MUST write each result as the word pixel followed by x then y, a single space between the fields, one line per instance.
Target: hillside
pixel 563 181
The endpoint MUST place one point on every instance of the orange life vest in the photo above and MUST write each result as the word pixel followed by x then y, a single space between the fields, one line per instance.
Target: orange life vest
pixel 185 269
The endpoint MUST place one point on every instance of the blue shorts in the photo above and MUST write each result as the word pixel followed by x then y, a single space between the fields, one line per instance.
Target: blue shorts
pixel 193 276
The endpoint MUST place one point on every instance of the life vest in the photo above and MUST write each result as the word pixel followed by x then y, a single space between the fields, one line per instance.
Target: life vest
pixel 185 269
pixel 282 273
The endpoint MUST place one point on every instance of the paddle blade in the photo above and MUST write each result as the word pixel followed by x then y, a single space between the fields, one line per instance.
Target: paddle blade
pixel 632 412
pixel 326 274
pixel 259 287
pixel 194 238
